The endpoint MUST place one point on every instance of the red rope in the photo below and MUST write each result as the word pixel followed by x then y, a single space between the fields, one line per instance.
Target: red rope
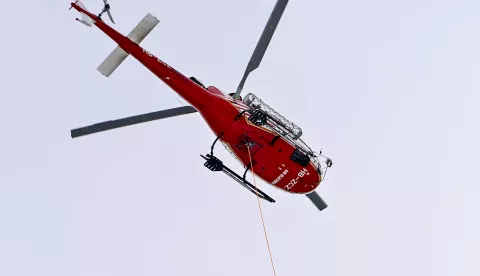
pixel 261 214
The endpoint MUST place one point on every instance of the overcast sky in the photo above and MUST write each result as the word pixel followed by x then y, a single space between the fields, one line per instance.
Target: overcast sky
pixel 388 89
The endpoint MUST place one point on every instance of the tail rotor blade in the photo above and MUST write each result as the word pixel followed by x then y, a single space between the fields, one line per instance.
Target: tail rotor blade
pixel 110 16
pixel 317 201
pixel 107 9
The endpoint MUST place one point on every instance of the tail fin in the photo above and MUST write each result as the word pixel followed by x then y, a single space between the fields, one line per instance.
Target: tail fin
pixel 118 55
pixel 85 18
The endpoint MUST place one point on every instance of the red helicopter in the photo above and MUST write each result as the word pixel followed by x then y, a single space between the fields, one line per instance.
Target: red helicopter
pixel 257 136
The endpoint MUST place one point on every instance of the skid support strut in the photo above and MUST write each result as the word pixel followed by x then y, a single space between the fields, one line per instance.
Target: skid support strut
pixel 214 164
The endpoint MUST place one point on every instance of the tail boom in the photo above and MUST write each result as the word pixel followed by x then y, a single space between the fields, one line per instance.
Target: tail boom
pixel 186 88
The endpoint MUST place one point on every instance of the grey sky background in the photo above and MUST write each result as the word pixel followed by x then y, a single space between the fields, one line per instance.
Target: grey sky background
pixel 388 90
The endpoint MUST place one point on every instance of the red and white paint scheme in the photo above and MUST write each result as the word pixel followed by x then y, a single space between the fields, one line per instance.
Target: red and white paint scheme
pixel 258 137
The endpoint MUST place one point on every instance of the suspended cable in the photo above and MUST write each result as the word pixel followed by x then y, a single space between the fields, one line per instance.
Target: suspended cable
pixel 261 214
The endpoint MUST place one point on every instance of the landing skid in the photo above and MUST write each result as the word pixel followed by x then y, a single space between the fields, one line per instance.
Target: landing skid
pixel 214 164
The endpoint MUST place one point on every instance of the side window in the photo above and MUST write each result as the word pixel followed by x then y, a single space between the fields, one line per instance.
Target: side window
pixel 300 158
pixel 197 82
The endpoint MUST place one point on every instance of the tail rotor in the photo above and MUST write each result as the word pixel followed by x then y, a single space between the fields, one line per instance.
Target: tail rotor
pixel 106 9
pixel 88 19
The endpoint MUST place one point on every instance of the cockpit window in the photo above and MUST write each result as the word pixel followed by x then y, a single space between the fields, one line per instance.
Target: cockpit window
pixel 300 158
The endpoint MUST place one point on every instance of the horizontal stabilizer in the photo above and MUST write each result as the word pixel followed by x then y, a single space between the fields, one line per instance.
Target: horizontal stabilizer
pixel 148 23
pixel 177 111
pixel 111 63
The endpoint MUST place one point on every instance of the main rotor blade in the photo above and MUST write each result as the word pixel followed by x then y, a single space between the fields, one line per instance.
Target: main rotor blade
pixel 317 200
pixel 132 120
pixel 263 43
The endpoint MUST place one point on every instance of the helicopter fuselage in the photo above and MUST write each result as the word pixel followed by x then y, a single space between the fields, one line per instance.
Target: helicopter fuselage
pixel 256 147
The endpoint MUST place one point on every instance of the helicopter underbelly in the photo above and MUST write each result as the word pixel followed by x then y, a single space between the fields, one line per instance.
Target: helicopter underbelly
pixel 274 166
pixel 272 163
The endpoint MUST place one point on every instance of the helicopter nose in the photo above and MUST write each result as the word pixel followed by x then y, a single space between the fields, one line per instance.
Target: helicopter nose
pixel 304 181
